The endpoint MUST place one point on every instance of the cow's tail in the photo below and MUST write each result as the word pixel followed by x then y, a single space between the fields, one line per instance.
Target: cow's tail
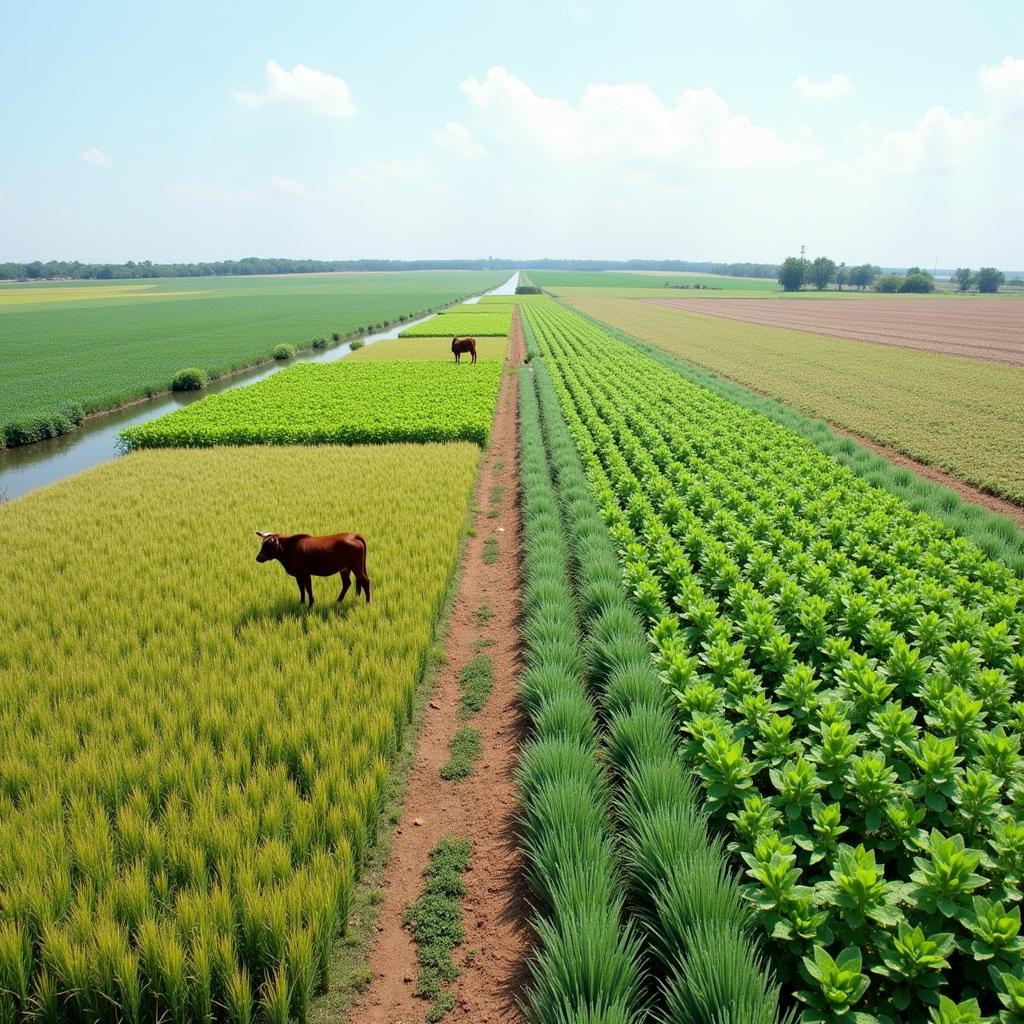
pixel 364 580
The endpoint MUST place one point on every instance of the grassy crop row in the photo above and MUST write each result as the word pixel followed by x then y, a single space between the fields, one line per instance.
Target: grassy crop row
pixel 965 416
pixel 346 402
pixel 693 941
pixel 481 324
pixel 846 675
pixel 586 966
pixel 191 763
pixel 117 343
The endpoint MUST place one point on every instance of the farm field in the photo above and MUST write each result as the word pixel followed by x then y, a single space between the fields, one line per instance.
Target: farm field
pixel 963 416
pixel 973 326
pixel 185 800
pixel 486 322
pixel 94 345
pixel 370 402
pixel 417 349
pixel 843 675
pixel 639 283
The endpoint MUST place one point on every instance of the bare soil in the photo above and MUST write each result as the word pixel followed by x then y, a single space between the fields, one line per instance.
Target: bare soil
pixel 977 328
pixel 483 806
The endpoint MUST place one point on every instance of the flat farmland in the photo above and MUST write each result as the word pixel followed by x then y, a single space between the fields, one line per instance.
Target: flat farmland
pixel 964 416
pixel 95 344
pixel 975 327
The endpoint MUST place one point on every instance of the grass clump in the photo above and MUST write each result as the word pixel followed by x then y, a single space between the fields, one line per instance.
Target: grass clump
pixel 476 680
pixel 191 379
pixel 483 615
pixel 491 550
pixel 435 921
pixel 463 750
pixel 356 343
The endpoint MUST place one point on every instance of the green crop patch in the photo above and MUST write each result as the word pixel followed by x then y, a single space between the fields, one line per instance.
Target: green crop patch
pixel 481 324
pixel 337 403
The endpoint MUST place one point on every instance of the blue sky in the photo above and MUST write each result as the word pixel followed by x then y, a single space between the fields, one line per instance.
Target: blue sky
pixel 882 132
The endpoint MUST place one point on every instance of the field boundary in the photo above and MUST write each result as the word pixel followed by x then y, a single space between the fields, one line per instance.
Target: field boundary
pixel 997 532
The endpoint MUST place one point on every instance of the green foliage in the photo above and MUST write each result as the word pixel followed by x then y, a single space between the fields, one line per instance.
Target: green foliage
pixel 841 675
pixel 989 279
pixel 356 343
pixel 283 351
pixel 793 273
pixel 920 283
pixel 476 680
pixel 191 379
pixel 340 403
pixel 463 750
pixel 491 550
pixel 888 283
pixel 485 322
pixel 435 920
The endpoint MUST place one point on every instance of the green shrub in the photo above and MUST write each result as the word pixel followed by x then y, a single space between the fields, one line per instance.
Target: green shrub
pixel 888 283
pixel 356 343
pixel 190 379
pixel 284 351
pixel 321 343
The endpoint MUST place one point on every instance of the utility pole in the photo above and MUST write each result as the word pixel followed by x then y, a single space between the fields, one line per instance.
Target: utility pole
pixel 803 249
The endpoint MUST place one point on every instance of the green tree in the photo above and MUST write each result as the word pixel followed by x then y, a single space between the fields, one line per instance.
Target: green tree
pixel 822 271
pixel 918 282
pixel 863 275
pixel 842 275
pixel 989 279
pixel 888 283
pixel 793 273
pixel 964 278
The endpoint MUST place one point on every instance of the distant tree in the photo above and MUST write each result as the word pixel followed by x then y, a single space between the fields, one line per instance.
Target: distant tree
pixel 920 283
pixel 862 276
pixel 964 278
pixel 989 279
pixel 842 275
pixel 913 270
pixel 793 273
pixel 821 272
pixel 888 283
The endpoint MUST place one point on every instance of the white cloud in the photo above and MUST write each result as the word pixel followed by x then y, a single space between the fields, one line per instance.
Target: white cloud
pixel 95 156
pixel 830 88
pixel 941 141
pixel 289 187
pixel 629 125
pixel 302 86
pixel 1004 84
pixel 455 136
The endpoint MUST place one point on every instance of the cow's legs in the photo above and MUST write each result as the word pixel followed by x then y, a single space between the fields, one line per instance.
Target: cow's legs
pixel 307 584
pixel 346 582
pixel 364 582
pixel 302 590
pixel 474 357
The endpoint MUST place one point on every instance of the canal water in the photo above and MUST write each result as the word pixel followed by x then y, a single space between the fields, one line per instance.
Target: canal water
pixel 34 465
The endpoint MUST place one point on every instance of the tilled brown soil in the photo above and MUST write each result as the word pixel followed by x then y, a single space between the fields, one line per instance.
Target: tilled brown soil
pixel 978 328
pixel 483 806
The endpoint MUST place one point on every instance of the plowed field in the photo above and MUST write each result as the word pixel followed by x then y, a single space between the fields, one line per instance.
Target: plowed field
pixel 978 328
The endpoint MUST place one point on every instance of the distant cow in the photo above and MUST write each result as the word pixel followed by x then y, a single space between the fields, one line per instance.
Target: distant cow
pixel 460 345
pixel 304 556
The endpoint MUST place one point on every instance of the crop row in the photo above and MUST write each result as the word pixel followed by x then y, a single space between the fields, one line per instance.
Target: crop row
pixel 687 926
pixel 487 322
pixel 191 766
pixel 846 678
pixel 347 402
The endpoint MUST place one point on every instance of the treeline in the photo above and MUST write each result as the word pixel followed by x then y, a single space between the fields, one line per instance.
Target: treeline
pixel 75 270
pixel 796 273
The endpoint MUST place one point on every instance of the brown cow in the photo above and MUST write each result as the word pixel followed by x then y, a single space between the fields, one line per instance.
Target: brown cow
pixel 304 556
pixel 460 345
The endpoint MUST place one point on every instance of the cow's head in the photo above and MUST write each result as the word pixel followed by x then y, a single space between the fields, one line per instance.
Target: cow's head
pixel 270 548
pixel 454 340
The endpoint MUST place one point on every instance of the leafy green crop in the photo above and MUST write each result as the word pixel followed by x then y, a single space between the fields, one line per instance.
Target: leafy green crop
pixel 481 324
pixel 342 403
pixel 847 677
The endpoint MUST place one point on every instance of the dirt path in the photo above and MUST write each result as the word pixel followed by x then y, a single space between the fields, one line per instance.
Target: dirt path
pixel 483 806
pixel 977 328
